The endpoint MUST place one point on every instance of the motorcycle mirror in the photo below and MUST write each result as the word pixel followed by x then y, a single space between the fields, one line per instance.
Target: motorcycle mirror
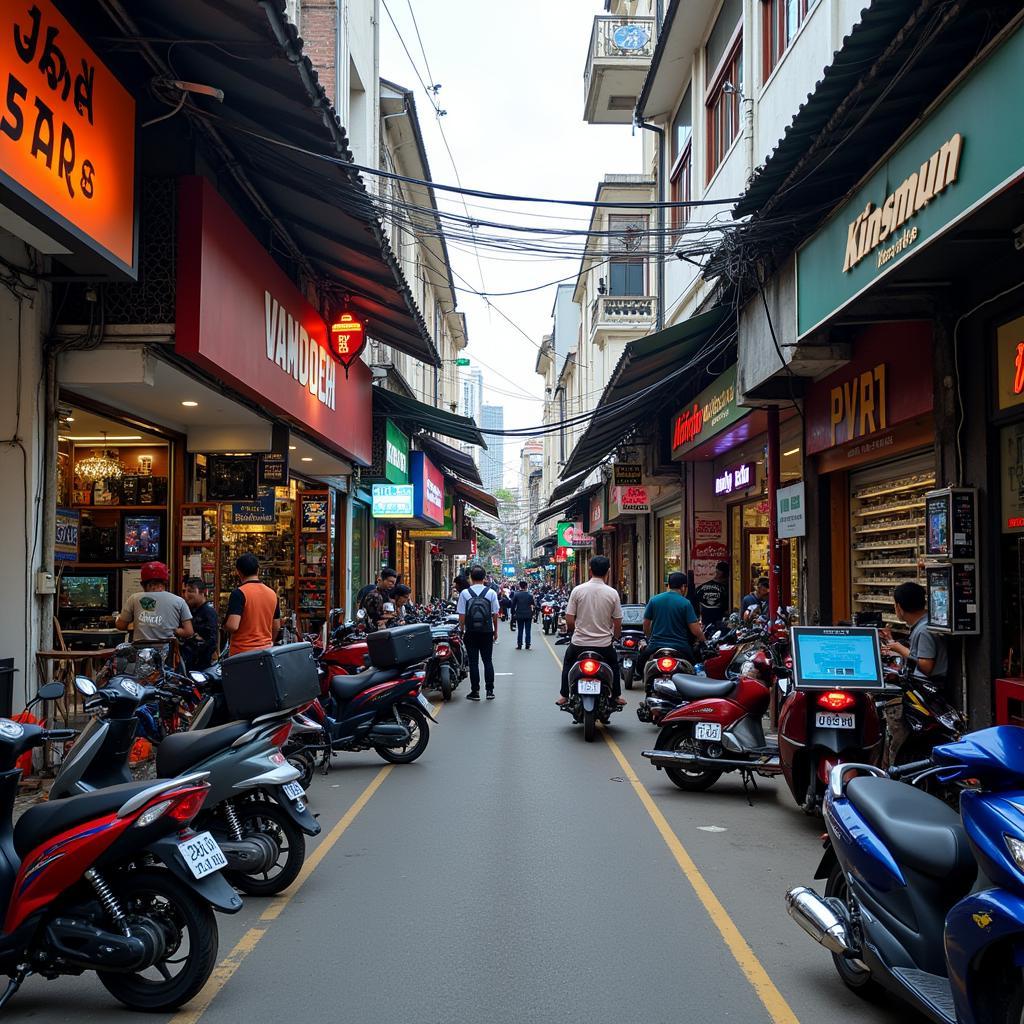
pixel 51 691
pixel 84 685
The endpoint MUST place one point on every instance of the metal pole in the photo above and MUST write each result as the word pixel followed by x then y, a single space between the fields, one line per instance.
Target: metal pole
pixel 774 568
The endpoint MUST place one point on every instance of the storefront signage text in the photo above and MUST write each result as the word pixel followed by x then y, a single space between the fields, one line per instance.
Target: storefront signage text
pixel 791 511
pixel 392 501
pixel 396 454
pixel 876 223
pixel 67 135
pixel 633 500
pixel 597 512
pixel 572 535
pixel 857 406
pixel 736 478
pixel 65 547
pixel 294 351
pixel 253 513
pixel 428 484
pixel 713 410
pixel 627 474
pixel 1010 356
pixel 442 532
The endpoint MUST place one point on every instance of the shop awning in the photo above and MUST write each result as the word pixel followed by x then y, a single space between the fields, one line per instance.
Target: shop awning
pixel 413 416
pixel 485 533
pixel 546 542
pixel 650 370
pixel 269 133
pixel 568 486
pixel 477 498
pixel 445 457
pixel 561 505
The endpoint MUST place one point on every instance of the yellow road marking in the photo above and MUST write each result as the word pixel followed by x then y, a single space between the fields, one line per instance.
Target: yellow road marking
pixel 247 943
pixel 771 998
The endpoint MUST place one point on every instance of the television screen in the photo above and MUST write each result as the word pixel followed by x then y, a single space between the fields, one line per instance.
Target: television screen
pixel 85 592
pixel 846 657
pixel 143 538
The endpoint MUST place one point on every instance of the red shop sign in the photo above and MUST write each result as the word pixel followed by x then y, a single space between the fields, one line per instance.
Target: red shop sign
pixel 888 381
pixel 240 318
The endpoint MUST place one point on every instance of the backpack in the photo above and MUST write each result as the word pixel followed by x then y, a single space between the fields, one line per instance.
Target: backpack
pixel 478 612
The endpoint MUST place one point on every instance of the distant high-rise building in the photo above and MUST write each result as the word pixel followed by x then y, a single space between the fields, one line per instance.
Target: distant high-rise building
pixel 472 393
pixel 492 461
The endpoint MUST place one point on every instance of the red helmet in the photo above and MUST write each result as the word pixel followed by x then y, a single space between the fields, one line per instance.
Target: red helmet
pixel 154 571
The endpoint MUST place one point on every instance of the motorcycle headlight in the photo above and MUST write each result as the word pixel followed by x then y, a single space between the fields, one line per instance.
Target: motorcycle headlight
pixel 1016 848
pixel 950 720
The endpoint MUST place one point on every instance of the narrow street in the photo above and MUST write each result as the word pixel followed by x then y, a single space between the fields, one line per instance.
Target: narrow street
pixel 514 874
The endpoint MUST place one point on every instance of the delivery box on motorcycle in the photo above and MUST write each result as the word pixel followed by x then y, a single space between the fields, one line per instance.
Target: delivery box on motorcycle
pixel 260 682
pixel 403 645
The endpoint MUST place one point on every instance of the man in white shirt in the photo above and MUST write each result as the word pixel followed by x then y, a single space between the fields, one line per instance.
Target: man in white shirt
pixel 478 617
pixel 594 618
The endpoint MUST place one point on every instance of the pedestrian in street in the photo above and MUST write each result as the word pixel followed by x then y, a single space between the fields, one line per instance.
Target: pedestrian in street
pixel 478 618
pixel 523 605
pixel 253 621
pixel 504 603
pixel 927 649
pixel 386 576
pixel 755 604
pixel 594 620
pixel 199 650
pixel 670 621
pixel 378 602
pixel 713 598
pixel 156 615
pixel 401 595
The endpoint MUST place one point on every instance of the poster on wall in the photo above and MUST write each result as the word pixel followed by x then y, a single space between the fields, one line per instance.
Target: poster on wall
pixel 1011 456
pixel 65 548
pixel 709 546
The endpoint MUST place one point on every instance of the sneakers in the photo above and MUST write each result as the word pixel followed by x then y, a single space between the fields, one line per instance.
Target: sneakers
pixel 519 647
pixel 473 695
pixel 527 646
pixel 490 695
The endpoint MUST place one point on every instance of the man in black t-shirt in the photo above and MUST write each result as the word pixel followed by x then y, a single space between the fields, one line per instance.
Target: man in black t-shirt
pixel 713 598
pixel 199 650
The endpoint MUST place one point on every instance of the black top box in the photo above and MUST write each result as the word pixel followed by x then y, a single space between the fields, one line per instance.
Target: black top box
pixel 403 645
pixel 261 682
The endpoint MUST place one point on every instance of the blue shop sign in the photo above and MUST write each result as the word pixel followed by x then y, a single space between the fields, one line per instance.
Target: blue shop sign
pixel 254 513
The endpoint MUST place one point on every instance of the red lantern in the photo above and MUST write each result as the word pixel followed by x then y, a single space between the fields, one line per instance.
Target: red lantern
pixel 347 339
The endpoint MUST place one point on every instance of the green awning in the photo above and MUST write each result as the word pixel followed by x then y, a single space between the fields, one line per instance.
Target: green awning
pixel 414 416
pixel 649 373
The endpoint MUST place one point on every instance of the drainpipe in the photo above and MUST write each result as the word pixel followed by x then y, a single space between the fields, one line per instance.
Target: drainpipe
pixel 660 265
pixel 774 567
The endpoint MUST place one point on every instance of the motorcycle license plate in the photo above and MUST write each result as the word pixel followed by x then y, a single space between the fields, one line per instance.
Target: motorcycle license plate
pixel 202 855
pixel 708 731
pixel 425 704
pixel 833 720
pixel 589 686
pixel 293 790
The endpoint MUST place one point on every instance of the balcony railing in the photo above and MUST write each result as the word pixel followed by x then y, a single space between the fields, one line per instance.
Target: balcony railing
pixel 622 41
pixel 612 311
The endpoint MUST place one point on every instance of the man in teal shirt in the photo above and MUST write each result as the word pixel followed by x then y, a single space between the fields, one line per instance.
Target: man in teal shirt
pixel 670 621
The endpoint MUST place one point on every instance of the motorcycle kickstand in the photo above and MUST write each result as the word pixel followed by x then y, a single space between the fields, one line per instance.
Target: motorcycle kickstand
pixel 13 984
pixel 749 783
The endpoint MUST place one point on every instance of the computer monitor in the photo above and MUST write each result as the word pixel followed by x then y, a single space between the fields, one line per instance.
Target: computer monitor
pixel 827 657
pixel 86 594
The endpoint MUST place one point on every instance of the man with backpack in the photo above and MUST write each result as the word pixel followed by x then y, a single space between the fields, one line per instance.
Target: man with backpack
pixel 478 617
pixel 522 613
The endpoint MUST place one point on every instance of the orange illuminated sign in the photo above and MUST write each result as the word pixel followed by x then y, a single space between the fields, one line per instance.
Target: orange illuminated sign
pixel 347 339
pixel 1018 369
pixel 67 135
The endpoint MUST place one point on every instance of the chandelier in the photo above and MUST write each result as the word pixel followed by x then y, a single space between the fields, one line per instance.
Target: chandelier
pixel 103 464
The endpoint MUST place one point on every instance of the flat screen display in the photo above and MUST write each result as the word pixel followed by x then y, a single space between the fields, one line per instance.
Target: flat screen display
pixel 845 657
pixel 85 593
pixel 633 614
pixel 143 538
pixel 392 501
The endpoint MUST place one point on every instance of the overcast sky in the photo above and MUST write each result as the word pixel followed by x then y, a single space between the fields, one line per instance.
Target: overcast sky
pixel 512 84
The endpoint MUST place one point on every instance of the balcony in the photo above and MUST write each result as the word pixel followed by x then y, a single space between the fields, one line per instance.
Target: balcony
pixel 623 312
pixel 617 63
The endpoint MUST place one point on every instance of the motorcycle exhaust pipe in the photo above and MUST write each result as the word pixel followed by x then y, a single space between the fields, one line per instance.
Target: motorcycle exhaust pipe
pixel 820 920
pixel 674 758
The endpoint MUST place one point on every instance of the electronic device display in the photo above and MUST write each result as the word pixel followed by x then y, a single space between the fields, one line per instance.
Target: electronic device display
pixel 85 593
pixel 841 657
pixel 143 538
pixel 231 477
pixel 951 521
pixel 953 598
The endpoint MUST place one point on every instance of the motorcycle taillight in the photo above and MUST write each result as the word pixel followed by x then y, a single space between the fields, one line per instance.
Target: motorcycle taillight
pixel 836 700
pixel 588 666
pixel 442 650
pixel 667 664
pixel 629 643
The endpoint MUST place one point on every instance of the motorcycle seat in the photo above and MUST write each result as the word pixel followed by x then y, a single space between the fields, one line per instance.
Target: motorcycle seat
pixel 918 829
pixel 46 820
pixel 700 687
pixel 344 688
pixel 181 750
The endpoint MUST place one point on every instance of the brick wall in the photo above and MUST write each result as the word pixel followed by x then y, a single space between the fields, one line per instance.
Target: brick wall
pixel 319 20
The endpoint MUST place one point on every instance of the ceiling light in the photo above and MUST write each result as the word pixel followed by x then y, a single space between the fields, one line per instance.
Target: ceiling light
pixel 101 465
pixel 291 447
pixel 792 451
pixel 104 437
pixel 306 458
pixel 69 419
pixel 189 404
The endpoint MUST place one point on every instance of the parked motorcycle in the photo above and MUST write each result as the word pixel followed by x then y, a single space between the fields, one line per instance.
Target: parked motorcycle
pixel 255 807
pixel 920 902
pixel 442 671
pixel 590 694
pixel 114 881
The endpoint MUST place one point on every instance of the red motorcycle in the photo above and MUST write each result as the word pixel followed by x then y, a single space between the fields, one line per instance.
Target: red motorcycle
pixel 112 881
pixel 720 730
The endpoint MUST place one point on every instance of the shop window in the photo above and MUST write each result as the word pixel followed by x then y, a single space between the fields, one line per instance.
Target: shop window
pixel 782 19
pixel 723 106
pixel 671 547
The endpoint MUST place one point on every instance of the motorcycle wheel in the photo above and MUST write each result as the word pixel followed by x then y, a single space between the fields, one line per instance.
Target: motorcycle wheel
pixel 267 817
pixel 416 722
pixel 305 763
pixel 627 680
pixel 854 978
pixel 590 725
pixel 690 780
pixel 188 923
pixel 446 683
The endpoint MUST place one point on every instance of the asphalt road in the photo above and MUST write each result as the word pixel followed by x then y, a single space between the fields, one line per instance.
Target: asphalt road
pixel 518 875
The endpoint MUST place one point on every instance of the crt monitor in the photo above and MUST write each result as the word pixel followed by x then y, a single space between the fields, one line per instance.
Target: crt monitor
pixel 827 657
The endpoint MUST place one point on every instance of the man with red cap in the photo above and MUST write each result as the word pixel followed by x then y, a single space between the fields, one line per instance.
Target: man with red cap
pixel 156 614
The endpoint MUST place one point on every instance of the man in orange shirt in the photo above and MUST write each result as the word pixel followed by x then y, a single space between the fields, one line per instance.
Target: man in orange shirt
pixel 254 616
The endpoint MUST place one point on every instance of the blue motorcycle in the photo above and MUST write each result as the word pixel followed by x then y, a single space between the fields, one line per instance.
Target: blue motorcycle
pixel 920 902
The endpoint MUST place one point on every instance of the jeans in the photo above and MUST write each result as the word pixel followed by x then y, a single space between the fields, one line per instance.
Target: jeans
pixel 524 625
pixel 481 644
pixel 606 654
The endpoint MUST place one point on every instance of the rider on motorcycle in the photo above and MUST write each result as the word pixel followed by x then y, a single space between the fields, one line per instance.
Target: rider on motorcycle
pixel 670 621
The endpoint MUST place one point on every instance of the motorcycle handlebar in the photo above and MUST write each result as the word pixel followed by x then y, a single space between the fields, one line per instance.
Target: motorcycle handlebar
pixel 59 734
pixel 901 771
